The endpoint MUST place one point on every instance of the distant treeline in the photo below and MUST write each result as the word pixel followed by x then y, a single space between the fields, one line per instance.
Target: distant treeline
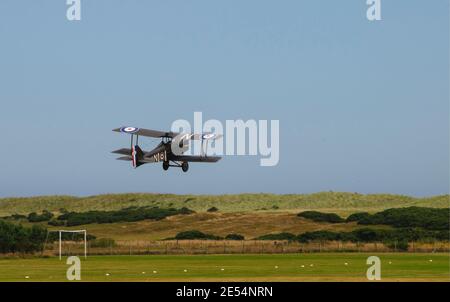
pixel 124 215
pixel 411 217
pixel 363 235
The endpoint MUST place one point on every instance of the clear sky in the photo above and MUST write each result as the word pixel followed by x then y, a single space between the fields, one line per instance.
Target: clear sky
pixel 363 106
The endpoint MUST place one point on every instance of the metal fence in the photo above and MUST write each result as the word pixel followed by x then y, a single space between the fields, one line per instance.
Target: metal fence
pixel 190 247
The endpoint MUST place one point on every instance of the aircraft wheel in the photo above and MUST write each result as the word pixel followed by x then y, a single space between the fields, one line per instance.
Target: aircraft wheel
pixel 185 166
pixel 166 165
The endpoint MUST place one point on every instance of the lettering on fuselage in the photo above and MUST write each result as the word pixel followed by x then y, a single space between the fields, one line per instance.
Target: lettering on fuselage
pixel 160 156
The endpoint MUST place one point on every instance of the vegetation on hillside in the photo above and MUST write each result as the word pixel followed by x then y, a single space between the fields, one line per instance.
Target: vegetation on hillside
pixel 341 203
pixel 413 217
pixel 376 235
pixel 427 218
pixel 128 214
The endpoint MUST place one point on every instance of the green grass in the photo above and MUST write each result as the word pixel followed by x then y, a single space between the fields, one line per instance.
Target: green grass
pixel 325 267
pixel 341 203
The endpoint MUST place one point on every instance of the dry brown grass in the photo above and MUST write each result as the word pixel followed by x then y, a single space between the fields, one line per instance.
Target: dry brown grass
pixel 204 247
pixel 251 225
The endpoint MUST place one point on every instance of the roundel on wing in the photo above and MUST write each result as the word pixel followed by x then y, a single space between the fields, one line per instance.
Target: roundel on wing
pixel 129 129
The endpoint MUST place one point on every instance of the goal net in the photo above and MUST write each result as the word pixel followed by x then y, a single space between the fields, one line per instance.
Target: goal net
pixel 74 233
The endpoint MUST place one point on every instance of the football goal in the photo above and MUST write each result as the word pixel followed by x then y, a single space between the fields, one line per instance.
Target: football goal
pixel 72 232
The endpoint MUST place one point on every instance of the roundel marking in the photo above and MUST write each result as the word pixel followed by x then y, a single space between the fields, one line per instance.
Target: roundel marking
pixel 208 136
pixel 129 129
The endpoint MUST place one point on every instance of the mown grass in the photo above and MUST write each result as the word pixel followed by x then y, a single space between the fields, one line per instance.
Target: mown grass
pixel 340 203
pixel 316 267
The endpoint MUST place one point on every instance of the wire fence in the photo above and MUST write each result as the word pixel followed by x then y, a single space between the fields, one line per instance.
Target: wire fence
pixel 192 247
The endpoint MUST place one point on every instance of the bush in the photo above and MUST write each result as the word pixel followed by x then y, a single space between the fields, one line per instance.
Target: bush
pixel 16 238
pixel 234 237
pixel 427 218
pixel 279 236
pixel 213 209
pixel 185 211
pixel 194 234
pixel 56 222
pixel 103 242
pixel 357 216
pixel 18 216
pixel 375 235
pixel 321 217
pixel 318 235
pixel 45 216
pixel 124 215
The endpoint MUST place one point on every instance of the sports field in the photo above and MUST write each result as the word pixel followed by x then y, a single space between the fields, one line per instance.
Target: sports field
pixel 298 267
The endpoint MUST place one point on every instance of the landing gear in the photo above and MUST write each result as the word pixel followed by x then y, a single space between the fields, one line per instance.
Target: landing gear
pixel 184 165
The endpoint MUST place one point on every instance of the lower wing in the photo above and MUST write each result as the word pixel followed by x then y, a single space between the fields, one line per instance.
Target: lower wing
pixel 198 159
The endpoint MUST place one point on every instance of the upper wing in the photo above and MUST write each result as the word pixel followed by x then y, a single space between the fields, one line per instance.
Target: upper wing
pixel 198 159
pixel 146 132
pixel 170 134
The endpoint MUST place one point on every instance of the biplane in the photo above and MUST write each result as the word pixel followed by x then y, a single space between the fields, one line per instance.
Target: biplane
pixel 163 151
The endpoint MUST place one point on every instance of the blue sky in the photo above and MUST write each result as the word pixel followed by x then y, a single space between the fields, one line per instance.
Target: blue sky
pixel 363 106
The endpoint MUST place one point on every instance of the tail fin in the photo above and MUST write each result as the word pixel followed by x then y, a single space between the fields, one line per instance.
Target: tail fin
pixel 137 154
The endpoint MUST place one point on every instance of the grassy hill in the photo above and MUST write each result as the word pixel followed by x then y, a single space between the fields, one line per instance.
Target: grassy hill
pixel 340 203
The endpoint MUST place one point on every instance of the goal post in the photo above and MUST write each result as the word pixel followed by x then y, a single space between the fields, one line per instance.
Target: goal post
pixel 72 231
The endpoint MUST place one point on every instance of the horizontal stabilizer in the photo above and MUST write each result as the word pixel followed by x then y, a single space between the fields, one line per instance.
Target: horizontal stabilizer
pixel 123 151
pixel 127 158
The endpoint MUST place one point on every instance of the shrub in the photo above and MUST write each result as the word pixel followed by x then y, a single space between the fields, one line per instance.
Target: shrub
pixel 321 217
pixel 234 237
pixel 18 216
pixel 16 238
pixel 375 235
pixel 318 235
pixel 278 236
pixel 357 216
pixel 56 222
pixel 185 211
pixel 194 234
pixel 45 216
pixel 213 209
pixel 124 215
pixel 427 218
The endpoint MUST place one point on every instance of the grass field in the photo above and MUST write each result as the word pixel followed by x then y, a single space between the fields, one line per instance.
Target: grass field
pixel 298 267
pixel 340 203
